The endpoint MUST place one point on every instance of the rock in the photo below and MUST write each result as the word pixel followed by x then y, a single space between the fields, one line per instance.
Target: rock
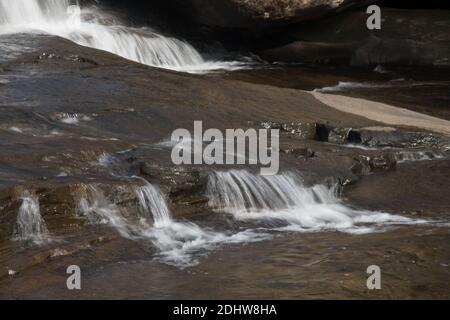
pixel 302 130
pixel 269 125
pixel 361 167
pixel 390 137
pixel 300 152
pixel 71 58
pixel 383 162
pixel 409 37
pixel 339 135
pixel 380 137
pixel 365 165
pixel 332 134
pixel 249 14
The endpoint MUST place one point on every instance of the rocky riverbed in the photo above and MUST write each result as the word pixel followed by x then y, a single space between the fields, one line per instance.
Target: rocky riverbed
pixel 86 179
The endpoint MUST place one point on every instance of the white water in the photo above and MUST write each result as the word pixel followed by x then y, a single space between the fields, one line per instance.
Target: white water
pixel 91 28
pixel 343 86
pixel 285 203
pixel 30 225
pixel 176 242
pixel 347 86
pixel 98 209
pixel 152 204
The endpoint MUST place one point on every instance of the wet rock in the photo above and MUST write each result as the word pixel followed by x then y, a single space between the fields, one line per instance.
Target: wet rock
pixel 270 125
pixel 408 37
pixel 302 130
pixel 408 156
pixel 381 137
pixel 180 182
pixel 9 206
pixel 365 165
pixel 71 58
pixel 390 137
pixel 328 133
pixel 339 135
pixel 300 152
pixel 383 162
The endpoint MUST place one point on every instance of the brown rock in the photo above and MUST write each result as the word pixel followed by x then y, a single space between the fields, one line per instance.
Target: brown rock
pixel 249 14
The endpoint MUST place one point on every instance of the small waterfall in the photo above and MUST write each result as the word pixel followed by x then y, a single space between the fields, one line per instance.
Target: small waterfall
pixel 152 203
pixel 284 200
pixel 90 28
pixel 241 191
pixel 30 225
pixel 98 209
pixel 178 241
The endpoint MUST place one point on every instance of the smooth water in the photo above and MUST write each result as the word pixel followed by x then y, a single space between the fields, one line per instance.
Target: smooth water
pixel 92 28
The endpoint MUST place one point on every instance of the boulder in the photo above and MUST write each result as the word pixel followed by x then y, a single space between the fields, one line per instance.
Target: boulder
pixel 408 37
pixel 365 165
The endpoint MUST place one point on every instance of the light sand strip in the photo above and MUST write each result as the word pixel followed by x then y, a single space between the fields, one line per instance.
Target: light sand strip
pixel 383 112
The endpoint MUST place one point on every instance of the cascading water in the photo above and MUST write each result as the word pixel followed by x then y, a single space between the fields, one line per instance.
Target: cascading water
pixel 98 209
pixel 87 27
pixel 178 241
pixel 152 203
pixel 30 225
pixel 284 200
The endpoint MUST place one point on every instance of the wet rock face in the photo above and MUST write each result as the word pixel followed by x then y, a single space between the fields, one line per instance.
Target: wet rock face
pixel 365 165
pixel 249 14
pixel 406 37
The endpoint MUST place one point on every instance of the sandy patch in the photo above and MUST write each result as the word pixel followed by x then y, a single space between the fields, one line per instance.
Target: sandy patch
pixel 384 113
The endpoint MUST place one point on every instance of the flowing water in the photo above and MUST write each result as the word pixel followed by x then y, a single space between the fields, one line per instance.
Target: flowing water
pixel 98 209
pixel 30 225
pixel 285 203
pixel 176 242
pixel 153 204
pixel 92 28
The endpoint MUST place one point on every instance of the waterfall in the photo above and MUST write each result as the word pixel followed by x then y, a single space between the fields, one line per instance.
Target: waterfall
pixel 177 242
pixel 91 28
pixel 30 225
pixel 98 209
pixel 283 200
pixel 152 203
